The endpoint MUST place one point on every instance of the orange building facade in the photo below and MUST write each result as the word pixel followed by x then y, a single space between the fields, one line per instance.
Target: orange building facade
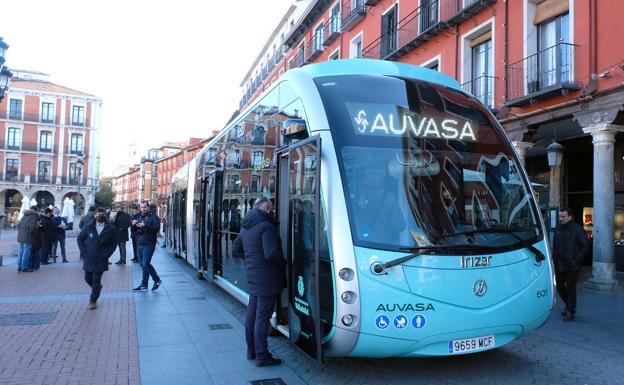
pixel 549 70
pixel 48 143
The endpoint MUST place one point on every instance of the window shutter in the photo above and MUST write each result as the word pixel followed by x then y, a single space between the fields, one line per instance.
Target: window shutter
pixel 548 9
pixel 481 39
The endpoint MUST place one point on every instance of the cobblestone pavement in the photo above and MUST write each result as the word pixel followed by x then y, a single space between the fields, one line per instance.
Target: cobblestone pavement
pixel 47 335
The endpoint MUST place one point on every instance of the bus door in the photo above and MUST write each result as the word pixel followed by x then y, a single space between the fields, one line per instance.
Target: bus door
pixel 298 211
pixel 204 223
pixel 215 198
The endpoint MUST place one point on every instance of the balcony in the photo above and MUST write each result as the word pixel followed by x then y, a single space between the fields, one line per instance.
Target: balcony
pixel 542 75
pixel 371 3
pixel 28 117
pixel 331 30
pixel 481 88
pixel 419 26
pixel 313 49
pixel 353 11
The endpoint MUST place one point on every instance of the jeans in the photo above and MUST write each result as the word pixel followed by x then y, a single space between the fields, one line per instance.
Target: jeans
pixel 23 259
pixel 55 243
pixel 566 287
pixel 259 313
pixel 145 259
pixel 94 279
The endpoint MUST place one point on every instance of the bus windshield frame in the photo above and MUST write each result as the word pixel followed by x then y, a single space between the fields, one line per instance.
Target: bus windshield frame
pixel 422 165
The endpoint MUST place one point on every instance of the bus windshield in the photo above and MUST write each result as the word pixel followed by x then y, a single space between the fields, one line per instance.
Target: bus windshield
pixel 425 165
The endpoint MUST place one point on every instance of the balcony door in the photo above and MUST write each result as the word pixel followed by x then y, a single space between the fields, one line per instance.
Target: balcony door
pixel 389 32
pixel 554 55
pixel 482 68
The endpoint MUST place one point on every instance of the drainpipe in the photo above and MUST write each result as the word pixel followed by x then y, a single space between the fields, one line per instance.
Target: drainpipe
pixel 457 53
pixel 506 50
pixel 591 86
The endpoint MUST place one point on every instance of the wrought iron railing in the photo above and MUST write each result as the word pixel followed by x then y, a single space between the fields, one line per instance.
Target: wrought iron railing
pixel 331 30
pixel 352 11
pixel 547 69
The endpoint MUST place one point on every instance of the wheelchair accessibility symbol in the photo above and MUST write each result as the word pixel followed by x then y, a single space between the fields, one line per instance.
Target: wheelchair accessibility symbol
pixel 382 321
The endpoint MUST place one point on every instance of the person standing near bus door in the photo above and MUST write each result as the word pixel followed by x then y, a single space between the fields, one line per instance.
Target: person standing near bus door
pixel 148 228
pixel 259 243
pixel 569 248
pixel 97 242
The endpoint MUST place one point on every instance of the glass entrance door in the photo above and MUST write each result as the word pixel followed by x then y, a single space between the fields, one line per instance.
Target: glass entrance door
pixel 301 177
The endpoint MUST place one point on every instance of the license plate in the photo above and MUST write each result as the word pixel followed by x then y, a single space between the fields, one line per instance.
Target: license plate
pixel 471 344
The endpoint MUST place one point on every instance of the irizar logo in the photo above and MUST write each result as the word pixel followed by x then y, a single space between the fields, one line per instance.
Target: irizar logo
pixel 300 286
pixel 416 125
pixel 480 288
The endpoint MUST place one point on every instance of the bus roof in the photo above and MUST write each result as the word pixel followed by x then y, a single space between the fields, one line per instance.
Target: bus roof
pixel 378 67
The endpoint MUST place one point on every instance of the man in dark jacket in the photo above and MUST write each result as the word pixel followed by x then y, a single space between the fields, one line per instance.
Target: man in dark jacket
pixel 122 222
pixel 147 227
pixel 47 235
pixel 59 225
pixel 26 232
pixel 97 242
pixel 133 235
pixel 259 243
pixel 569 248
pixel 88 218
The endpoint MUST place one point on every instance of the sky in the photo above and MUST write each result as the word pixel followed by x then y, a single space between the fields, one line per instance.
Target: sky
pixel 165 70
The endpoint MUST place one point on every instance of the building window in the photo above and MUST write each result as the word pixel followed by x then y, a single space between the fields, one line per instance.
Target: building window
pixel 334 22
pixel 74 173
pixel 428 14
pixel 47 112
pixel 256 159
pixel 78 117
pixel 433 65
pixel 389 31
pixel 15 109
pixel 233 184
pixel 44 171
pixel 212 155
pixel 300 53
pixel 255 183
pixel 14 138
pixel 11 172
pixel 45 141
pixel 75 144
pixel 334 55
pixel 355 47
pixel 318 38
pixel 482 81
pixel 553 65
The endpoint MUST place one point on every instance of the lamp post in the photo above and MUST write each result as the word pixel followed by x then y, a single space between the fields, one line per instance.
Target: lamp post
pixel 555 158
pixel 79 165
pixel 5 74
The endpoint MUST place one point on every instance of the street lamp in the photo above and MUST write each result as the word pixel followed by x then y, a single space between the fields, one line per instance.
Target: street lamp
pixel 555 154
pixel 79 165
pixel 5 74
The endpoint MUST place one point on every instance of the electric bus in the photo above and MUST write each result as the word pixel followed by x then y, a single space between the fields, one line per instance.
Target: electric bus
pixel 408 224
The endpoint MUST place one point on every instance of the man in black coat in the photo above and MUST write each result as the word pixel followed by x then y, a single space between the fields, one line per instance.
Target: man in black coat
pixel 569 248
pixel 259 243
pixel 122 222
pixel 133 230
pixel 47 235
pixel 59 224
pixel 97 242
pixel 147 227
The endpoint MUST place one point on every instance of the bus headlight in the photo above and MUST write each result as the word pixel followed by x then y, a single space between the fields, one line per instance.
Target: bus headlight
pixel 348 297
pixel 348 319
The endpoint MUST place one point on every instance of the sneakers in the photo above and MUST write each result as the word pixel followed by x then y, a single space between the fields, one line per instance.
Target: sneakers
pixel 135 260
pixel 92 305
pixel 65 260
pixel 140 288
pixel 271 361
pixel 120 262
pixel 156 285
pixel 251 355
pixel 568 317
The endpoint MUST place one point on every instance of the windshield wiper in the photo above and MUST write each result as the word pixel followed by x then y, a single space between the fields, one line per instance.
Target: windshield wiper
pixel 539 256
pixel 380 267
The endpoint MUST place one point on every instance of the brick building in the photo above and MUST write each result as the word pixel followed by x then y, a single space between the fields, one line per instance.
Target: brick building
pixel 48 143
pixel 551 70
pixel 151 178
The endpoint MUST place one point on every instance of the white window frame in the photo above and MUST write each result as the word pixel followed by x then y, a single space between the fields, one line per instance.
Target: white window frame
pixel 352 45
pixel 428 63
pixel 48 129
pixel 6 135
pixel 466 52
pixel 19 166
pixel 335 52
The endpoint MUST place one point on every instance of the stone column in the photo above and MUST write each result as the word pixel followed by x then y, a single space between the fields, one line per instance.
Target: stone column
pixel 603 265
pixel 521 148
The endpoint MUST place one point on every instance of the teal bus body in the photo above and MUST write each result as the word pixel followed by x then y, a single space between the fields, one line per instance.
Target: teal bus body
pixel 403 209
